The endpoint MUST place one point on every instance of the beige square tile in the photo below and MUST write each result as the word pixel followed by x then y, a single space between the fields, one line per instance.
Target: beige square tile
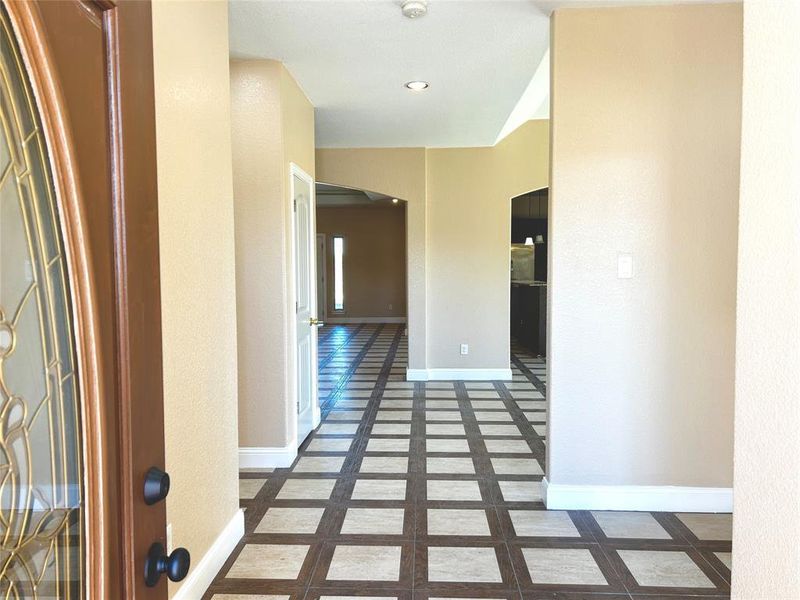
pixel 483 394
pixel 574 566
pixel 536 417
pixel 453 491
pixel 439 385
pixel 306 489
pixel 543 523
pixel 446 445
pixel 393 415
pixel 488 404
pixel 268 561
pixel 516 466
pixel 442 415
pixel 527 395
pixel 344 403
pixel 451 404
pixel 440 393
pixel 532 404
pixel 357 393
pixel 449 465
pixel 290 520
pixel 630 525
pixel 664 568
pixel 468 565
pixel 384 464
pixel 388 445
pixel 507 446
pixel 373 521
pixel 365 563
pixel 504 430
pixel 494 415
pixel 396 403
pixel 540 430
pixel 450 521
pixel 329 445
pixel 521 491
pixel 344 415
pixel 248 488
pixel 319 464
pixel 444 429
pixel 391 429
pixel 708 526
pixel 479 385
pixel 337 428
pixel 398 393
pixel 379 489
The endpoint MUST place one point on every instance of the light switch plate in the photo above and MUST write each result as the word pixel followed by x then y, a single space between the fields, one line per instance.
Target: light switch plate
pixel 464 349
pixel 624 266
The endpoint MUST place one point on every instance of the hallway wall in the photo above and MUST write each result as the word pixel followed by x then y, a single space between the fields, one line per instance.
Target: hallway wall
pixel 648 165
pixel 198 300
pixel 459 231
pixel 766 520
pixel 273 126
pixel 374 259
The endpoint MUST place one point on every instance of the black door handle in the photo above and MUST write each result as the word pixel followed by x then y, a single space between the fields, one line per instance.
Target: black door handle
pixel 176 565
pixel 156 485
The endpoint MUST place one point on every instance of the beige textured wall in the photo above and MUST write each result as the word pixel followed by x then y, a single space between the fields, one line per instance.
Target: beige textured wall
pixel 272 125
pixel 398 172
pixel 196 234
pixel 766 516
pixel 468 239
pixel 374 259
pixel 459 231
pixel 645 160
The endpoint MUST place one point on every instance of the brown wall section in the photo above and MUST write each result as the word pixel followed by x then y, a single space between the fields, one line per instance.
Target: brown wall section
pixel 374 259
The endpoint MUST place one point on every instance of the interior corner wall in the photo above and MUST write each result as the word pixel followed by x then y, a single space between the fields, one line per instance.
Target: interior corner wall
pixel 766 516
pixel 459 231
pixel 272 126
pixel 397 172
pixel 196 236
pixel 469 193
pixel 646 114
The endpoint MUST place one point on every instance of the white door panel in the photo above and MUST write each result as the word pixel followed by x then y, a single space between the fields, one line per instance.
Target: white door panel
pixel 305 263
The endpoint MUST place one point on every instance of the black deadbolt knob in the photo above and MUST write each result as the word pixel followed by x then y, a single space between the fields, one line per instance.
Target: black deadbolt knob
pixel 156 485
pixel 176 565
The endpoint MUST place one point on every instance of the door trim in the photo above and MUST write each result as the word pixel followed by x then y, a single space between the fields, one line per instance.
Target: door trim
pixel 322 311
pixel 296 170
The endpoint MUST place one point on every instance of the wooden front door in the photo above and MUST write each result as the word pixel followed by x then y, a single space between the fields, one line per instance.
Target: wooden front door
pixel 81 411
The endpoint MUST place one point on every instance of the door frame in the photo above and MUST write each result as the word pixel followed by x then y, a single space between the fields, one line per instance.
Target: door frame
pixel 322 311
pixel 296 170
pixel 118 526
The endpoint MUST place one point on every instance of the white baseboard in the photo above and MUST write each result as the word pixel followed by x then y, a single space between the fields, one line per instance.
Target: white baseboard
pixel 343 320
pixel 268 458
pixel 202 572
pixel 458 374
pixel 637 497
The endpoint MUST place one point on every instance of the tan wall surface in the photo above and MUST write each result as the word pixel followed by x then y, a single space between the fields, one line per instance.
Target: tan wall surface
pixel 374 259
pixel 459 232
pixel 272 125
pixel 398 172
pixel 197 269
pixel 469 240
pixel 645 160
pixel 766 516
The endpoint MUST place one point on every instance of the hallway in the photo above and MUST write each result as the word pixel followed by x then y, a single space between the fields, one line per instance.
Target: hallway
pixel 432 490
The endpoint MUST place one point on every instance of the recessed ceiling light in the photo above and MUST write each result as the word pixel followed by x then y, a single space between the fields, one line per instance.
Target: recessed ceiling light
pixel 395 200
pixel 417 86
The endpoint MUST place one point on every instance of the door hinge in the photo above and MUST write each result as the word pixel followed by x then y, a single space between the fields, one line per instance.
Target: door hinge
pixel 296 307
pixel 294 203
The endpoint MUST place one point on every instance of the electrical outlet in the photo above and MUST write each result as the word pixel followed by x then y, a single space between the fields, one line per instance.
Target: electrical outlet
pixel 464 349
pixel 169 538
pixel 391 307
pixel 624 266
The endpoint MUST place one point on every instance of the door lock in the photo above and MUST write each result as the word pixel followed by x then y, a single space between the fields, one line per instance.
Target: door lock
pixel 156 485
pixel 317 322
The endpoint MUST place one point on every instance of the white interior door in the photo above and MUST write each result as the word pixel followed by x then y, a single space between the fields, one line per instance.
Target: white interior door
pixel 302 190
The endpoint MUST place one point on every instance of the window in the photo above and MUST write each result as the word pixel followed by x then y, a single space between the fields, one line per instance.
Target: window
pixel 338 272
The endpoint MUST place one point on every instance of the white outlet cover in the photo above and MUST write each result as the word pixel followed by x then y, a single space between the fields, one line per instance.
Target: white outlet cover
pixel 464 348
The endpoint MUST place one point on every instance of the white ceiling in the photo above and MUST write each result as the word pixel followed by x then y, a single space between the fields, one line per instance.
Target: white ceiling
pixel 353 57
pixel 485 60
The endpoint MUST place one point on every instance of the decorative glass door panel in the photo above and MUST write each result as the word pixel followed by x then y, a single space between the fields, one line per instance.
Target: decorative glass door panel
pixel 41 470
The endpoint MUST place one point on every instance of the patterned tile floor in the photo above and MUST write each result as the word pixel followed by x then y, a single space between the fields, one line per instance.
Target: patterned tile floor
pixel 413 490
